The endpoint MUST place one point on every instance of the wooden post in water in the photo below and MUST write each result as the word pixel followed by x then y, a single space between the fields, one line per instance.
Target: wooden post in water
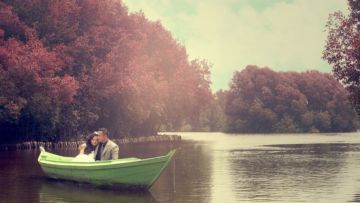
pixel 30 145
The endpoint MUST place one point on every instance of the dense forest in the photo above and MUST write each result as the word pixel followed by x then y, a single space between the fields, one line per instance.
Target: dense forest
pixel 68 67
pixel 261 101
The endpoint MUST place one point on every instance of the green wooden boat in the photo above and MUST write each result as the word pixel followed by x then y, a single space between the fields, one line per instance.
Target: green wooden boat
pixel 128 172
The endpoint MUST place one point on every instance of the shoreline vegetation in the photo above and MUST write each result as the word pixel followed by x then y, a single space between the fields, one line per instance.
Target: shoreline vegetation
pixel 33 145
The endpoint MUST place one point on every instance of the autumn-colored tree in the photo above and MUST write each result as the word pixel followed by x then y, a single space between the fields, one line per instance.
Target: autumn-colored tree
pixel 342 49
pixel 32 93
pixel 123 71
pixel 261 100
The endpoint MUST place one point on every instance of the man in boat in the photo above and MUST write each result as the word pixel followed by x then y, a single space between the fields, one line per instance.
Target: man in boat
pixel 106 149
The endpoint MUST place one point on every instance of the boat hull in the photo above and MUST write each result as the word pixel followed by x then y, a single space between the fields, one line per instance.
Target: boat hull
pixel 129 173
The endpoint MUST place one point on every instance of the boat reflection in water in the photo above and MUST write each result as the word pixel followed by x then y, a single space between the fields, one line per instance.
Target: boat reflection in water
pixel 66 191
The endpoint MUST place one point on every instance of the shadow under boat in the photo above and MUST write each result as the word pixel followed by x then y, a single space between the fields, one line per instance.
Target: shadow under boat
pixel 68 191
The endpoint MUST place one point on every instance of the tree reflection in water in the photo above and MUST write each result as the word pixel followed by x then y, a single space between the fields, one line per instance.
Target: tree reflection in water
pixel 356 198
pixel 288 172
pixel 192 177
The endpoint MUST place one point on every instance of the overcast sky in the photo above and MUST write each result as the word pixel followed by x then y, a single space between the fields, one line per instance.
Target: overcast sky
pixel 230 34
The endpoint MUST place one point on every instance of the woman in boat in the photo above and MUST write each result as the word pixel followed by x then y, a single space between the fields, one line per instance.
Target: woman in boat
pixel 86 150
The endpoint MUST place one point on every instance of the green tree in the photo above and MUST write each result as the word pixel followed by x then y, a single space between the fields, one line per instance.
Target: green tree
pixel 286 125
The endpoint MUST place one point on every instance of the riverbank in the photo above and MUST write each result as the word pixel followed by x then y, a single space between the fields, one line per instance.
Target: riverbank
pixel 75 144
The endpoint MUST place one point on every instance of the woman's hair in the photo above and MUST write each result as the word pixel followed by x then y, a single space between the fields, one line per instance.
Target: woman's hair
pixel 89 147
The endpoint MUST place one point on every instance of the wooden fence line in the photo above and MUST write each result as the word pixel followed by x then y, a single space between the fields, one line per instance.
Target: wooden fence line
pixel 75 144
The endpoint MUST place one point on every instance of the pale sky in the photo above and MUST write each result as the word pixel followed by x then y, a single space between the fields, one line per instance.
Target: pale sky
pixel 230 34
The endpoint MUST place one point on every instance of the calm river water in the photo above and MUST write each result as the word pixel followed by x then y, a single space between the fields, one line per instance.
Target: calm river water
pixel 212 167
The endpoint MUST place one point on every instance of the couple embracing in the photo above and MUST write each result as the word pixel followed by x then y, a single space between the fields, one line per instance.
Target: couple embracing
pixel 98 147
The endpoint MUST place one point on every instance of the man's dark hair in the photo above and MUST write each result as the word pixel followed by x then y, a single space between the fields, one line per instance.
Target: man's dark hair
pixel 104 130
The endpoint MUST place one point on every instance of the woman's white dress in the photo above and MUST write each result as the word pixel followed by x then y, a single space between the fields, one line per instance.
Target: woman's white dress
pixel 85 157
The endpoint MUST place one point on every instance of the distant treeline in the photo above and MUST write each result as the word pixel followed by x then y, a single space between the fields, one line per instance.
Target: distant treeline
pixel 261 100
pixel 69 67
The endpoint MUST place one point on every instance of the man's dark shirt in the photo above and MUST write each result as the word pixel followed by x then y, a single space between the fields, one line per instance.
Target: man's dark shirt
pixel 100 149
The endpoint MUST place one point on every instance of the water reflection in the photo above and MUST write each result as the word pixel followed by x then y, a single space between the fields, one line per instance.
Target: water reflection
pixel 190 180
pixel 356 198
pixel 289 172
pixel 17 177
pixel 62 191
